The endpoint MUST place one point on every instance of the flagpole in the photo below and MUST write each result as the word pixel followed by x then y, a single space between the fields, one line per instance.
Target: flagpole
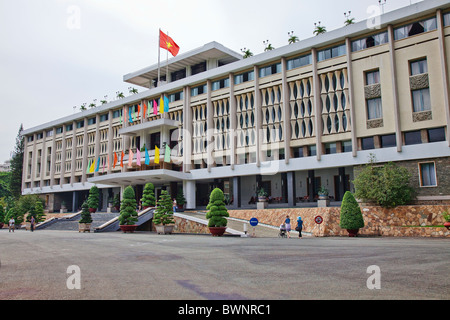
pixel 167 62
pixel 159 54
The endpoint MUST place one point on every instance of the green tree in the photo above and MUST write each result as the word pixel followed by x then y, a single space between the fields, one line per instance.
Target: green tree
pixel 94 197
pixel 39 211
pixel 217 210
pixel 164 210
pixel 13 212
pixel 181 200
pixel 319 29
pixel 15 182
pixel 128 214
pixel 293 39
pixel 386 185
pixel 2 214
pixel 351 216
pixel 148 195
pixel 85 214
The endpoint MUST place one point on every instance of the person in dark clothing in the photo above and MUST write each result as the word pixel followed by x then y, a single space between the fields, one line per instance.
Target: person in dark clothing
pixel 299 226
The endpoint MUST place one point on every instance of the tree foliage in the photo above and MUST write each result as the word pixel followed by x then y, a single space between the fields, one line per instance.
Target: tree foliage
pixel 217 210
pixel 387 185
pixel 128 214
pixel 351 216
pixel 85 213
pixel 15 182
pixel 94 197
pixel 164 210
pixel 148 195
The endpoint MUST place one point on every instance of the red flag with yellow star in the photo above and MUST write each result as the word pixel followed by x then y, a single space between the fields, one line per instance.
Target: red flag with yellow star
pixel 167 43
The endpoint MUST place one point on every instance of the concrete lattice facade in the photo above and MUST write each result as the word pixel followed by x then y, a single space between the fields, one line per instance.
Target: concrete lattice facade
pixel 288 120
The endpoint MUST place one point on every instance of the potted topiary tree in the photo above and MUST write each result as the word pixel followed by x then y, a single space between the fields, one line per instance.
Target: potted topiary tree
pixel 351 216
pixel 116 202
pixel 217 212
pixel 128 215
pixel 39 211
pixel 446 217
pixel 148 196
pixel 180 200
pixel 163 218
pixel 86 220
pixel 323 193
pixel 93 199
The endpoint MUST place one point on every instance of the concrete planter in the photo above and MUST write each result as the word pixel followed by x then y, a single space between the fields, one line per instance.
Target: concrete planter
pixel 217 231
pixel 83 227
pixel 164 229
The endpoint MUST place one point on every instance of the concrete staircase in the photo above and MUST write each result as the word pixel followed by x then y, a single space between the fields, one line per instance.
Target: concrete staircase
pixel 71 223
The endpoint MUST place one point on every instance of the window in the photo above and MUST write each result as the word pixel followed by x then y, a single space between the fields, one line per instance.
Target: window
pixel 298 152
pixel 372 77
pixel 40 135
pixel 418 67
pixel 92 121
pixel 80 124
pixel 269 70
pixel 346 146
pixel 421 100
pixel 299 62
pixel 371 41
pixel 374 110
pixel 312 150
pixel 198 90
pixel 49 133
pixel 447 19
pixel 367 143
pixel 413 137
pixel 220 84
pixel 201 67
pixel 104 117
pixel 59 130
pixel 117 113
pixel 177 75
pixel 176 96
pixel 244 77
pixel 69 127
pixel 436 134
pixel 415 28
pixel 388 141
pixel 427 174
pixel 330 148
pixel 331 53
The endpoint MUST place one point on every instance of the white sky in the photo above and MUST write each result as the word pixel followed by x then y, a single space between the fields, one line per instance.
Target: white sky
pixel 57 54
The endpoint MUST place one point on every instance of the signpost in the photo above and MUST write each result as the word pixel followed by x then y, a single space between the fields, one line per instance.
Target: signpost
pixel 253 223
pixel 319 221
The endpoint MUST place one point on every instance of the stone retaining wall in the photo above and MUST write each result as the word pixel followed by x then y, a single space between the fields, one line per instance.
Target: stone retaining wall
pixel 403 221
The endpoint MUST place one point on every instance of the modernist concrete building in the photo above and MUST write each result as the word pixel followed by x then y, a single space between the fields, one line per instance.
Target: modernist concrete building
pixel 287 120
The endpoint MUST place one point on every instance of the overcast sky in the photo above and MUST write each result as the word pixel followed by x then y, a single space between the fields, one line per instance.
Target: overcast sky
pixel 57 54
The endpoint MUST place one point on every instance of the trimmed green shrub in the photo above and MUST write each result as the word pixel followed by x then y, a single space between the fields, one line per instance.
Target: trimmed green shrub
pixel 386 185
pixel 94 197
pixel 128 214
pixel 2 214
pixel 217 210
pixel 181 200
pixel 148 196
pixel 351 216
pixel 116 201
pixel 85 214
pixel 164 210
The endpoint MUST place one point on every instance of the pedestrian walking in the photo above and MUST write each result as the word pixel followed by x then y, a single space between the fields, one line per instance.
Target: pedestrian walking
pixel 12 224
pixel 287 222
pixel 32 224
pixel 299 226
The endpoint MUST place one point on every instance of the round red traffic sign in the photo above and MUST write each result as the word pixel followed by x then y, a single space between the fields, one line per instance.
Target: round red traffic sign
pixel 318 219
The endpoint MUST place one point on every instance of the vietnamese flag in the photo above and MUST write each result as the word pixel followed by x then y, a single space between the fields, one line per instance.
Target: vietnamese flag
pixel 167 43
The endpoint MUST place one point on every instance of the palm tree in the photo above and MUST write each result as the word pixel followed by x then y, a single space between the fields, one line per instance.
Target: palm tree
pixel 348 20
pixel 83 107
pixel 120 95
pixel 292 38
pixel 319 29
pixel 268 47
pixel 247 53
pixel 132 90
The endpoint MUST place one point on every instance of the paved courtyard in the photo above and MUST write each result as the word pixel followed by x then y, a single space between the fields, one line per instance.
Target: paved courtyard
pixel 44 264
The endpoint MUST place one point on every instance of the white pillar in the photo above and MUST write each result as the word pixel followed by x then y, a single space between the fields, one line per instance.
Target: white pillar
pixel 189 193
